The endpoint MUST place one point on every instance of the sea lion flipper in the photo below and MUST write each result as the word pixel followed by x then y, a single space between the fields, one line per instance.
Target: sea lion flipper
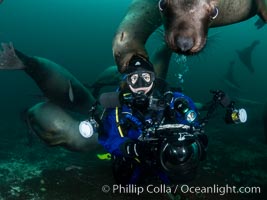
pixel 9 58
pixel 259 23
pixel 245 55
pixel 262 7
pixel 71 95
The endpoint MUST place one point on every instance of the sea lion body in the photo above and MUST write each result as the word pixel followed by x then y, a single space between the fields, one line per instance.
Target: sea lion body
pixel 186 24
pixel 245 55
pixel 56 127
pixel 57 84
pixel 57 121
pixel 109 77
pixel 140 22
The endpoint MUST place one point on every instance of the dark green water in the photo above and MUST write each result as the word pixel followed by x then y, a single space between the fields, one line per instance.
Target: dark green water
pixel 78 35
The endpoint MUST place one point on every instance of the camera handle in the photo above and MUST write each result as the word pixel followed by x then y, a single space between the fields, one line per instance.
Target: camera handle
pixel 233 114
pixel 94 118
pixel 92 110
pixel 219 98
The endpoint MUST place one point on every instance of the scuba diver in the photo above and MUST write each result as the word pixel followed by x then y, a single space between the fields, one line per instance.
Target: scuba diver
pixel 151 129
pixel 146 127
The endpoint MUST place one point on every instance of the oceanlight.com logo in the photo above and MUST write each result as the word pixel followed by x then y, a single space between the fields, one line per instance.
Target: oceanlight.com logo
pixel 216 189
pixel 178 189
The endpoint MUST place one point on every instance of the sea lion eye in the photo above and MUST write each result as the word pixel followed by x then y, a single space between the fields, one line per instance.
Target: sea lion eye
pixel 214 13
pixel 162 4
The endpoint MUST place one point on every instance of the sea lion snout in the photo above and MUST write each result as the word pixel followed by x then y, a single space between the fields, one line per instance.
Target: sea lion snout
pixel 185 39
pixel 186 24
pixel 184 43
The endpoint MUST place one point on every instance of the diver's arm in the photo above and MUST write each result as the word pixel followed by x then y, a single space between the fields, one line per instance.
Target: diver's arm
pixel 110 138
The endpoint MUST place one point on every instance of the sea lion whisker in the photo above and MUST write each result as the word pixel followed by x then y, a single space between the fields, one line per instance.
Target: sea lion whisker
pixel 212 42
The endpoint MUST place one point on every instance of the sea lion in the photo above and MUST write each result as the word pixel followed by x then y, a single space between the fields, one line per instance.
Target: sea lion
pixel 57 127
pixel 186 24
pixel 229 79
pixel 245 55
pixel 57 84
pixel 259 23
pixel 140 22
pixel 109 77
pixel 52 121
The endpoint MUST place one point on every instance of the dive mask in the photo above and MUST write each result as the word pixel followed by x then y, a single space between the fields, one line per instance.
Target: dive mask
pixel 140 80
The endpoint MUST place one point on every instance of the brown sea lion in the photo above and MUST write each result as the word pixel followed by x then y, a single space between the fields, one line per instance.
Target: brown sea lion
pixel 186 23
pixel 230 80
pixel 140 22
pixel 52 121
pixel 109 77
pixel 245 55
pixel 57 84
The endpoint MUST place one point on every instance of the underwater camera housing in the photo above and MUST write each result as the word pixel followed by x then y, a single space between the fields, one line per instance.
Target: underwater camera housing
pixel 178 150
